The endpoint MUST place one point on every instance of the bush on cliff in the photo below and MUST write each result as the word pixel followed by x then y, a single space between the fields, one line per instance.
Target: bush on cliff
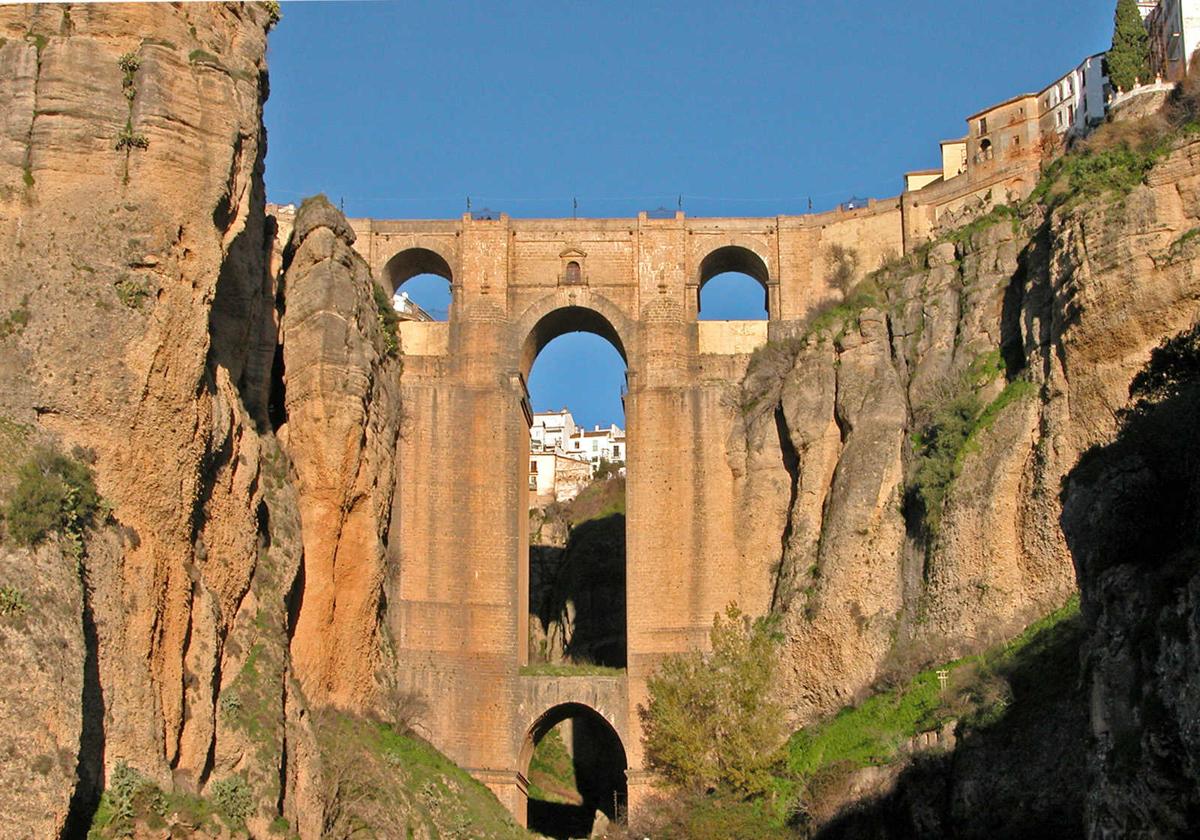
pixel 54 494
pixel 711 724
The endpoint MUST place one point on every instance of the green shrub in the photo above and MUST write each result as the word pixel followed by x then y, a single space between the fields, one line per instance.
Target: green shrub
pixel 132 293
pixel 939 445
pixel 12 601
pixel 977 693
pixel 388 319
pixel 232 798
pixel 130 139
pixel 711 724
pixel 130 796
pixel 129 63
pixel 14 322
pixel 53 494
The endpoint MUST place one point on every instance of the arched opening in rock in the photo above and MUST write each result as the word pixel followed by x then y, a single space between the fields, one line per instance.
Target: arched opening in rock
pixel 575 764
pixel 419 281
pixel 575 491
pixel 733 286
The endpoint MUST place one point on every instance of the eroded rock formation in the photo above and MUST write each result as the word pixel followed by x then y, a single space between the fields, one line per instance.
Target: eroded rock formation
pixel 137 246
pixel 1045 320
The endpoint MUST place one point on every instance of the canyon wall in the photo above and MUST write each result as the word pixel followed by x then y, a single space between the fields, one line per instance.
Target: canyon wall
pixel 1038 322
pixel 139 295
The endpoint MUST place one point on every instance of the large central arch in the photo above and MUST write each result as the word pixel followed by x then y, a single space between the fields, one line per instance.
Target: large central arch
pixel 545 321
pixel 577 310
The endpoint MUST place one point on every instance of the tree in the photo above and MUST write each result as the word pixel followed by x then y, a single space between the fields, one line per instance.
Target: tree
pixel 1129 58
pixel 843 264
pixel 711 724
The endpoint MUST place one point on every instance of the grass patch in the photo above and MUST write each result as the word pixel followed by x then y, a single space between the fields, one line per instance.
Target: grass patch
pixel 976 694
pixel 552 771
pixel 570 669
pixel 997 215
pixel 835 316
pixel 199 56
pixel 400 786
pixel 132 293
pixel 1014 391
pixel 948 431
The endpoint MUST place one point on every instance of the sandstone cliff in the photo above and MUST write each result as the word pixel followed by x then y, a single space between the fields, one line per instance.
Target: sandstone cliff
pixel 235 395
pixel 1131 516
pixel 913 438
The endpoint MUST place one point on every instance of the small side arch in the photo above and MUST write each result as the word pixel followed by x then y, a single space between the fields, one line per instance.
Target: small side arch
pixel 734 258
pixel 410 262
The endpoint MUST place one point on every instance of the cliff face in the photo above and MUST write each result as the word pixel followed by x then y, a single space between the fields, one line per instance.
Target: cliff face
pixel 141 326
pixel 921 429
pixel 1132 517
pixel 342 422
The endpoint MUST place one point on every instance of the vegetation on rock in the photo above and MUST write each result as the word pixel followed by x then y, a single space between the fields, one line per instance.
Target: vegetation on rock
pixel 54 494
pixel 388 319
pixel 711 724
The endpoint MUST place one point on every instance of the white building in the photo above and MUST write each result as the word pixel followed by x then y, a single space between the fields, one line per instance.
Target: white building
pixel 550 430
pixel 557 476
pixel 408 309
pixel 1075 103
pixel 598 444
pixel 1174 28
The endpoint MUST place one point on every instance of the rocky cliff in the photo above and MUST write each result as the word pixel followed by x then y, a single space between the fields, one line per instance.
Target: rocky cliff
pixel 921 428
pixel 1131 515
pixel 140 330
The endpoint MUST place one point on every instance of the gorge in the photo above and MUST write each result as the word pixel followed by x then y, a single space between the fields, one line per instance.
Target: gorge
pixel 287 582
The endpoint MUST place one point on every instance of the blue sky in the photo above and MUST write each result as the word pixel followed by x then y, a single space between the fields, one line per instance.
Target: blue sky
pixel 403 110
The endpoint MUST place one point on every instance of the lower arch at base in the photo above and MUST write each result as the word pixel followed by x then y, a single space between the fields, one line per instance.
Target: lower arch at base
pixel 599 763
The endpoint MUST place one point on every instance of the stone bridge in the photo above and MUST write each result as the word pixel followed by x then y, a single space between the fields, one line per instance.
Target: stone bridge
pixel 458 609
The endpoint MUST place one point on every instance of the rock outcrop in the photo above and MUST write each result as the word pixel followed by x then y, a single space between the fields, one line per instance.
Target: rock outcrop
pixel 342 422
pixel 1038 322
pixel 1132 517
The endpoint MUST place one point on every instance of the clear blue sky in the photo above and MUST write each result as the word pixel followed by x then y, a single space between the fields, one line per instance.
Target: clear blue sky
pixel 402 110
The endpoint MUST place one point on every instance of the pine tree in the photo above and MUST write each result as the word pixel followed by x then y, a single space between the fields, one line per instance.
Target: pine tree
pixel 1129 58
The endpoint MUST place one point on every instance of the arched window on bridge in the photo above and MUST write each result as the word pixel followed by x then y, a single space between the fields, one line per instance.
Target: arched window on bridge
pixel 420 281
pixel 575 763
pixel 733 286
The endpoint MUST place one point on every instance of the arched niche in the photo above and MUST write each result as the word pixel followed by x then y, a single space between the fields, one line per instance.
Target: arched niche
pixel 432 282
pixel 734 259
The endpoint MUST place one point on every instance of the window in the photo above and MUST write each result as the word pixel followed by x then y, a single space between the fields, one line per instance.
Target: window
pixel 573 273
pixel 595 445
pixel 983 125
pixel 616 450
pixel 533 466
